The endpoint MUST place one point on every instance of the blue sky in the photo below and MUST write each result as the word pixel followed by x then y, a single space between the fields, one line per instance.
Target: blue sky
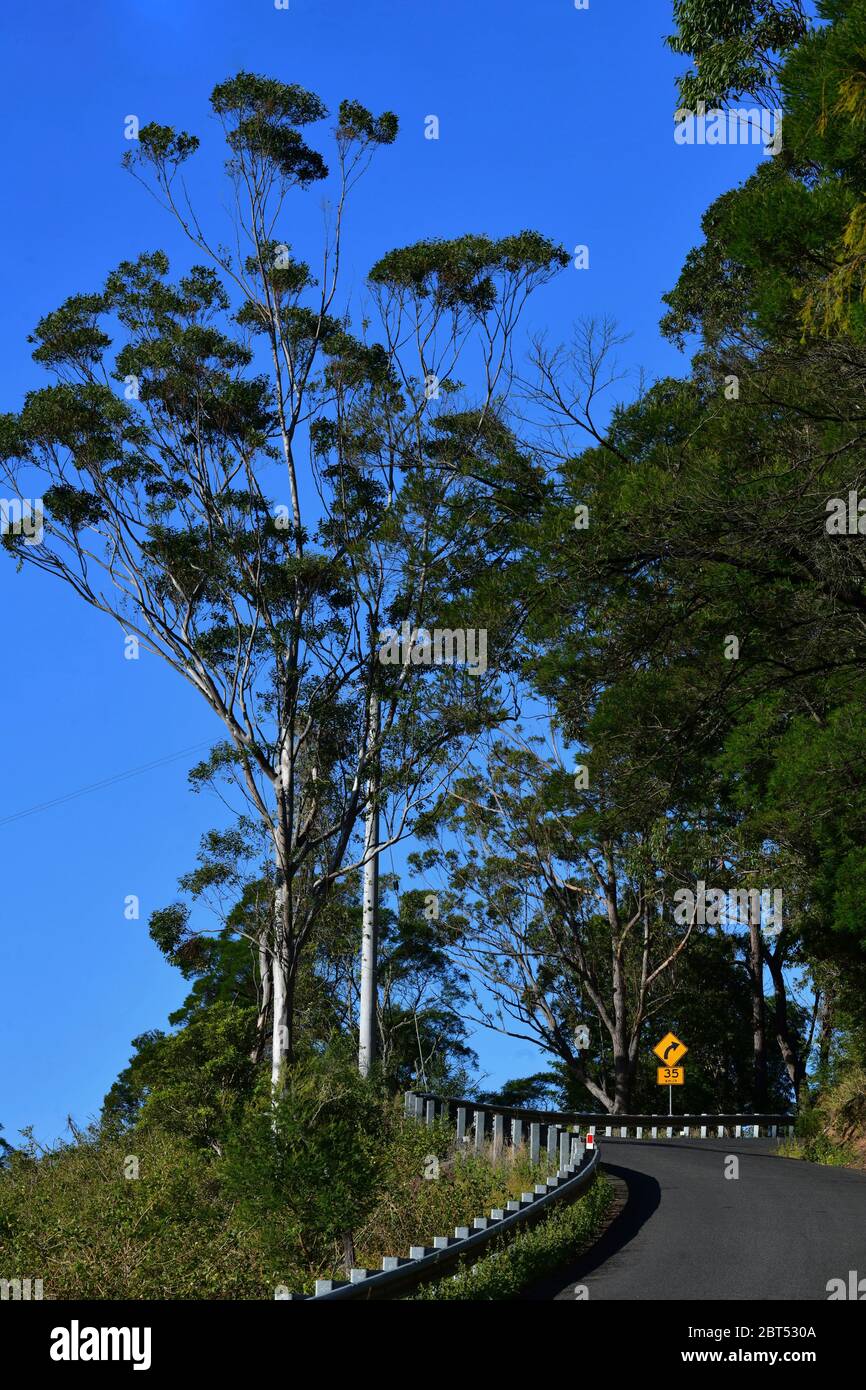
pixel 550 117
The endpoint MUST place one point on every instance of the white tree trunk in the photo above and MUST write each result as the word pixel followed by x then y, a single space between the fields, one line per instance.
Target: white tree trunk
pixel 370 922
pixel 280 993
pixel 265 982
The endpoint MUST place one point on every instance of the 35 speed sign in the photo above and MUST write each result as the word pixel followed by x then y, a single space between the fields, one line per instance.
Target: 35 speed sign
pixel 670 1076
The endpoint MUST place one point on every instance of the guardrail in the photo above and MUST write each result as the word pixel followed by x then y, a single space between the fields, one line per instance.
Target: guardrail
pixel 558 1133
pixel 578 1165
pixel 424 1105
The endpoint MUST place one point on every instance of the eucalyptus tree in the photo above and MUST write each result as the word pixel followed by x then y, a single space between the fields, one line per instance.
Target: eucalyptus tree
pixel 560 906
pixel 197 1079
pixel 738 47
pixel 708 621
pixel 254 489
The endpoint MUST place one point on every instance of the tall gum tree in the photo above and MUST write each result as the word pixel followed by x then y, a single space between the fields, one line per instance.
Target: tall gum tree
pixel 255 491
pixel 560 911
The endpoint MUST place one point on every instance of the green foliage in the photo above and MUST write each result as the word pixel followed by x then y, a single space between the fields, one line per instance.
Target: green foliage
pixel 191 1083
pixel 163 146
pixel 833 1129
pixel 357 123
pixel 515 1265
pixel 333 1174
pixel 247 96
pixel 540 1091
pixel 260 115
pixel 818 1149
pixel 462 273
pixel 93 1233
pixel 814 1140
pixel 306 1172
pixel 710 1007
pixel 736 46
pixel 790 246
pixel 419 1199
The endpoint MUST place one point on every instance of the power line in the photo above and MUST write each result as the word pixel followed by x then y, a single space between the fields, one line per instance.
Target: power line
pixel 106 782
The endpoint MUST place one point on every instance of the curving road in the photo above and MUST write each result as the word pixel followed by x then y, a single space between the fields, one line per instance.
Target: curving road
pixel 779 1231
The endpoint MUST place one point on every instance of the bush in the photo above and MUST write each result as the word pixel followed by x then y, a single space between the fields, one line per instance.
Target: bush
pixel 825 1131
pixel 819 1148
pixel 843 1107
pixel 332 1175
pixel 419 1199
pixel 529 1256
pixel 73 1219
pixel 306 1171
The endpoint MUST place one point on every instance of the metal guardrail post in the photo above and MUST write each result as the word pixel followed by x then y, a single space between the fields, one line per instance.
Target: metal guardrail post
pixel 479 1131
pixel 424 1105
pixel 762 1120
pixel 498 1135
pixel 399 1276
pixel 552 1142
pixel 564 1147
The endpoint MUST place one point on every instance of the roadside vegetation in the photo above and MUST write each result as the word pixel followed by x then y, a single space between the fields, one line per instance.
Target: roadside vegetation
pixel 513 1266
pixel 335 1177
pixel 832 1130
pixel 679 579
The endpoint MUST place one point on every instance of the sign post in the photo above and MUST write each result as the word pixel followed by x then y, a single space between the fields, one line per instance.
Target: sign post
pixel 670 1051
pixel 670 1077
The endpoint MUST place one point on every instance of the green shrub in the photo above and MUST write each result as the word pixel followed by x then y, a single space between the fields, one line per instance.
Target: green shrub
pixel 194 1082
pixel 817 1148
pixel 826 1130
pixel 414 1205
pixel 306 1171
pixel 73 1219
pixel 514 1265
pixel 332 1174
pixel 843 1106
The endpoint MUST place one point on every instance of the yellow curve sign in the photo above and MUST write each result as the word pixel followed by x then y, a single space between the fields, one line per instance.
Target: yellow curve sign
pixel 670 1050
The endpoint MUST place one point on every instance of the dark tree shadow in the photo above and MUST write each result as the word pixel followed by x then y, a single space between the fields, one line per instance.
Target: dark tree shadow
pixel 643 1197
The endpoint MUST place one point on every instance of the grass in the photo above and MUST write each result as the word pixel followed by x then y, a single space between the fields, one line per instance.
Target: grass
pixel 818 1148
pixel 412 1207
pixel 76 1218
pixel 833 1130
pixel 516 1264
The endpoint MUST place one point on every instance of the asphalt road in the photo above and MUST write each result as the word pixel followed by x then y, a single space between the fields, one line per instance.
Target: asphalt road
pixel 779 1231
